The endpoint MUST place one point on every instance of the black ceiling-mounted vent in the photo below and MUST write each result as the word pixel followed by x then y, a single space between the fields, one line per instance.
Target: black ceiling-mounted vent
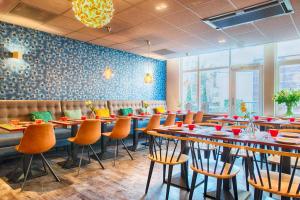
pixel 164 52
pixel 250 14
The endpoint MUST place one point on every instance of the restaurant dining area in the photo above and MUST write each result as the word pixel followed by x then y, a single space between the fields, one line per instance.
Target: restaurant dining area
pixel 149 99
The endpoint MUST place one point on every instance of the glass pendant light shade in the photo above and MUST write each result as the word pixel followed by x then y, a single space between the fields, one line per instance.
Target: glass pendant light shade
pixel 93 13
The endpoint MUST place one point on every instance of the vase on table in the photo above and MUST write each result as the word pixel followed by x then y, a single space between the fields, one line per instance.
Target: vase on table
pixel 251 128
pixel 289 110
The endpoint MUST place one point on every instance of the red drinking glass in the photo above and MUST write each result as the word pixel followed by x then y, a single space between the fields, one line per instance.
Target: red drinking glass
pixel 191 127
pixel 97 117
pixel 179 123
pixel 83 117
pixel 178 111
pixel 218 127
pixel 256 117
pixel 112 116
pixel 130 114
pixel 269 119
pixel 292 119
pixel 236 131
pixel 235 117
pixel 225 116
pixel 38 121
pixel 273 132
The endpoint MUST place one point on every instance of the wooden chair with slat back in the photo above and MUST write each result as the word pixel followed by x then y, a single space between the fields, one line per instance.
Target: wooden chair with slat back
pixel 167 154
pixel 214 168
pixel 189 118
pixel 283 184
pixel 275 160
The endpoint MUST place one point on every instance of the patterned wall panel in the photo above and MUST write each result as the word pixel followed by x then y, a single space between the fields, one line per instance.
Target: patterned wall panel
pixel 55 67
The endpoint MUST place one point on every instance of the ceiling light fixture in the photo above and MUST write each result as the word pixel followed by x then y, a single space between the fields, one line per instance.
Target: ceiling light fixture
pixel 148 79
pixel 161 6
pixel 222 41
pixel 93 13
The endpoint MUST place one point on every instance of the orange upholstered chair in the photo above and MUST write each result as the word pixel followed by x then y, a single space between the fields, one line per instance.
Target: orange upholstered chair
pixel 89 133
pixel 199 117
pixel 170 119
pixel 120 131
pixel 37 139
pixel 154 122
pixel 189 118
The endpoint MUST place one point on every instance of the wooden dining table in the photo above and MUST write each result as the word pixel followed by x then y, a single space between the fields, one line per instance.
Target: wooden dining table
pixel 260 139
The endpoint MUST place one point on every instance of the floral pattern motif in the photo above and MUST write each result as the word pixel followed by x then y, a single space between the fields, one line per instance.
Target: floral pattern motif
pixel 58 68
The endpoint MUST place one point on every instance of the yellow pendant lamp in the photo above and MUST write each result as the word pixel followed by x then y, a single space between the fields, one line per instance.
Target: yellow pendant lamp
pixel 148 79
pixel 93 13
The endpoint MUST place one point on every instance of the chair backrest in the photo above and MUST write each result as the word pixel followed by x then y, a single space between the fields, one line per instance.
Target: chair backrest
pixel 275 182
pixel 203 162
pixel 38 138
pixel 122 128
pixel 89 132
pixel 199 117
pixel 154 122
pixel 170 119
pixel 164 152
pixel 189 118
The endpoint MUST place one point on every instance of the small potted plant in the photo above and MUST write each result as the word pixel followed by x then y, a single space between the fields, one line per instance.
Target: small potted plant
pixel 146 105
pixel 92 108
pixel 290 98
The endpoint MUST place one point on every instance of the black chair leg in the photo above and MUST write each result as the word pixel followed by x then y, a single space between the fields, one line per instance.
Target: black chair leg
pixel 219 188
pixel 164 173
pixel 169 181
pixel 126 149
pixel 80 160
pixel 256 194
pixel 215 154
pixel 193 185
pixel 149 176
pixel 234 185
pixel 27 171
pixel 44 165
pixel 205 185
pixel 50 168
pixel 185 171
pixel 98 159
pixel 116 153
pixel 117 148
pixel 246 173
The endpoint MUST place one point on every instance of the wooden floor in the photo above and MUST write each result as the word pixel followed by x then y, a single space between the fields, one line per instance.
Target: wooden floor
pixel 127 180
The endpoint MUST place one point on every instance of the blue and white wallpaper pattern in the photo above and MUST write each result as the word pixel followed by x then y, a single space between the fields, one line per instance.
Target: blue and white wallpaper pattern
pixel 58 68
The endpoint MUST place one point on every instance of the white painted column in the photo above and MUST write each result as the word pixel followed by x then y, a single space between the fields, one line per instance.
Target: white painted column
pixel 173 84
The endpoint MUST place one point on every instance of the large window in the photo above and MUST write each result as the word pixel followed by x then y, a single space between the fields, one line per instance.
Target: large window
pixel 288 60
pixel 206 79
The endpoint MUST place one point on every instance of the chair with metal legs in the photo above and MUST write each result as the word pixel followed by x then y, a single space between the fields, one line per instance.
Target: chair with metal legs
pixel 170 121
pixel 89 133
pixel 120 131
pixel 189 118
pixel 37 139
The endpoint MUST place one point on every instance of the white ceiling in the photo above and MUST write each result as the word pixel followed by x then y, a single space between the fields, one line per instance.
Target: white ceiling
pixel 178 27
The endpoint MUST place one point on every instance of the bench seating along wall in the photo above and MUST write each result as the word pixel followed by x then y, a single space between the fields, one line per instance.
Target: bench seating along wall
pixel 154 104
pixel 21 109
pixel 115 106
pixel 80 105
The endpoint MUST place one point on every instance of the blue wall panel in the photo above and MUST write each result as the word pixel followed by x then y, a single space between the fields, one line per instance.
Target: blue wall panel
pixel 59 68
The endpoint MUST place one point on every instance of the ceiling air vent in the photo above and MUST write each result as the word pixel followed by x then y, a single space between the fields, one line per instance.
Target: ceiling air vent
pixel 163 52
pixel 250 14
pixel 34 13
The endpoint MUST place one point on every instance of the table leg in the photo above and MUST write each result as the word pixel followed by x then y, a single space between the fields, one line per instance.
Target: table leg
pixel 135 137
pixel 104 154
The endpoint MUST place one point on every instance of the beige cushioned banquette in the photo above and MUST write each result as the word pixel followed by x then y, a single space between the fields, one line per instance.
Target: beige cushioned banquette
pixel 154 104
pixel 80 105
pixel 115 106
pixel 21 109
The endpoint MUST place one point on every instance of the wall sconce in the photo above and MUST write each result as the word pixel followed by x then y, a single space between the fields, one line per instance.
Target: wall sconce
pixel 16 55
pixel 108 73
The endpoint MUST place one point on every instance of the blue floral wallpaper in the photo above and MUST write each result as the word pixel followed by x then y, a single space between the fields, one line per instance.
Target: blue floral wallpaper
pixel 58 68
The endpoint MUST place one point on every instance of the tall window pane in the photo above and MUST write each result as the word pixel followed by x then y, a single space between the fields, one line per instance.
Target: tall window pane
pixel 215 90
pixel 288 50
pixel 217 59
pixel 189 91
pixel 248 55
pixel 189 63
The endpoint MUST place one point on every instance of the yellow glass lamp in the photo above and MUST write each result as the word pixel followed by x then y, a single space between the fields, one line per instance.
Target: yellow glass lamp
pixel 93 13
pixel 148 78
pixel 16 54
pixel 108 73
